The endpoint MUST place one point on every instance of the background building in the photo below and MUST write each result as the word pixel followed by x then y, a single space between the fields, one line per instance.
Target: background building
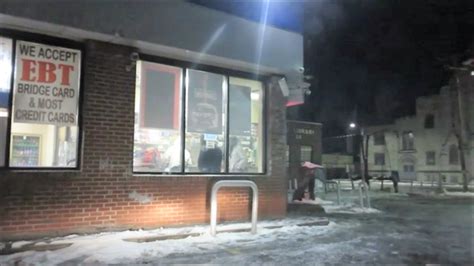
pixel 425 147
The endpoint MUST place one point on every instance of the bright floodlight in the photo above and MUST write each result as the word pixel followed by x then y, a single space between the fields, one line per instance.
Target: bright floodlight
pixel 352 125
pixel 472 73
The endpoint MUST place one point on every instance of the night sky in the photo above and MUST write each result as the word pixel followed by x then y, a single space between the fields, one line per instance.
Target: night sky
pixel 370 58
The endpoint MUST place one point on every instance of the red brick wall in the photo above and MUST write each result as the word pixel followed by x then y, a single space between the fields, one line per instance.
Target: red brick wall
pixel 105 195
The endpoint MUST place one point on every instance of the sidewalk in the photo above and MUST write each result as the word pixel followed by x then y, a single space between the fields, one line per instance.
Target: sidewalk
pixel 115 247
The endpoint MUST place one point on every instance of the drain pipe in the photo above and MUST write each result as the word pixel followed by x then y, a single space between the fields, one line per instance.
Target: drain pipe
pixel 233 183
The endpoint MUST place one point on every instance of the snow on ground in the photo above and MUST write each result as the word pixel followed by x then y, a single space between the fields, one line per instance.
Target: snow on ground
pixel 406 230
pixel 316 201
pixel 332 207
pixel 19 244
pixel 458 194
pixel 348 208
pixel 110 248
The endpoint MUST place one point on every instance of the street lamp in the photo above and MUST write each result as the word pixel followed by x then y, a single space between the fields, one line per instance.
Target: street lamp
pixel 363 147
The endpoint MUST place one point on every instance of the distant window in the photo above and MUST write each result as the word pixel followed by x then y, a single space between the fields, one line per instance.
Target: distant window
pixel 379 159
pixel 443 178
pixel 453 154
pixel 379 138
pixel 430 158
pixel 306 153
pixel 429 121
pixel 408 140
pixel 409 168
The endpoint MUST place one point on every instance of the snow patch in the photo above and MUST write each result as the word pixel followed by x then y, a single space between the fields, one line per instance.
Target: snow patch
pixel 349 208
pixel 19 244
pixel 316 201
pixel 458 194
pixel 110 247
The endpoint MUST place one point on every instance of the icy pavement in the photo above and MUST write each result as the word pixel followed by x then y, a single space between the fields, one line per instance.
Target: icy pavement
pixel 110 248
pixel 404 231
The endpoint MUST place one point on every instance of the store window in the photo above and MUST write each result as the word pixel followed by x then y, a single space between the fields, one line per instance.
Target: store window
pixel 245 126
pixel 206 107
pixel 5 85
pixel 212 124
pixel 44 129
pixel 158 119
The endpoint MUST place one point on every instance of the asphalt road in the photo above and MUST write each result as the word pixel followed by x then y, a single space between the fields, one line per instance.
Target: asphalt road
pixel 412 230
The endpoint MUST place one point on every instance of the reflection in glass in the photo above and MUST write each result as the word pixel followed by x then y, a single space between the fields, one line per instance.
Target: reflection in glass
pixel 245 126
pixel 205 121
pixel 158 119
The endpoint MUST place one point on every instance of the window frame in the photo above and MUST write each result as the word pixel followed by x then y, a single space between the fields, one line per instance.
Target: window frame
pixel 227 73
pixel 15 36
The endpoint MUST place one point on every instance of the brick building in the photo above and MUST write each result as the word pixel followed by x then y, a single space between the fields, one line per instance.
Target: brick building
pixel 111 122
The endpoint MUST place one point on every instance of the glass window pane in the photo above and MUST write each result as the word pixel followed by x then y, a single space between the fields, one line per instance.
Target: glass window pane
pixel 430 158
pixel 245 126
pixel 453 154
pixel 379 159
pixel 205 121
pixel 45 106
pixel 5 87
pixel 157 141
pixel 306 154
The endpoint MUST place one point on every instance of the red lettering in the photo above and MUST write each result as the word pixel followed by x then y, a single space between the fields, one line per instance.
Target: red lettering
pixel 46 72
pixel 66 71
pixel 28 68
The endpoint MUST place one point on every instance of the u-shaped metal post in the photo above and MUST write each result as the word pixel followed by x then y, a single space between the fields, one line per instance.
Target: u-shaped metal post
pixel 233 183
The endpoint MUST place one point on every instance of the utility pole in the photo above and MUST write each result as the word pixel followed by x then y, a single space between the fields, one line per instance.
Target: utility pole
pixel 364 147
pixel 459 133
pixel 460 130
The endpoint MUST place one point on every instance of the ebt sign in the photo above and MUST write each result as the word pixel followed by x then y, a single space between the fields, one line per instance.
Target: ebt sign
pixel 46 84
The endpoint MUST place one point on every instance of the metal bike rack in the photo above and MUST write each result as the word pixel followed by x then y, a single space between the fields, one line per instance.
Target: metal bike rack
pixel 327 182
pixel 362 185
pixel 233 183
pixel 338 193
